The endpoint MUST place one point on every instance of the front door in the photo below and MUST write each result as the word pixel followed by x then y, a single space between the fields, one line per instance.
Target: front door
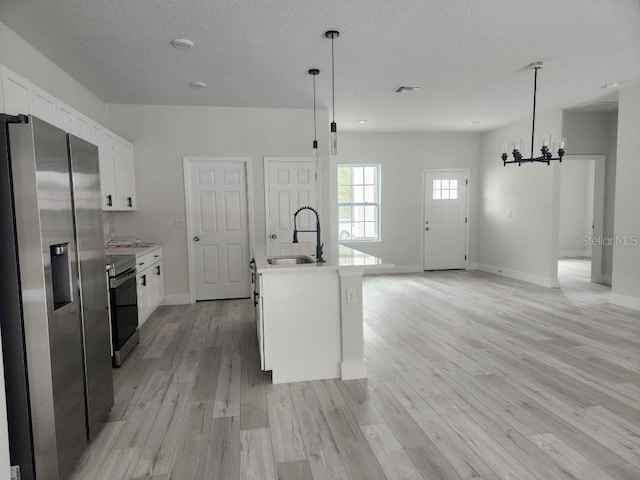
pixel 445 217
pixel 218 227
pixel 290 185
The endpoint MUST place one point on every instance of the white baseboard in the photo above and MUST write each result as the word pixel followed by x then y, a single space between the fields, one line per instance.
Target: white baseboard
pixel 179 299
pixel 625 301
pixel 472 266
pixel 525 277
pixel 352 369
pixel 606 279
pixel 574 253
pixel 394 269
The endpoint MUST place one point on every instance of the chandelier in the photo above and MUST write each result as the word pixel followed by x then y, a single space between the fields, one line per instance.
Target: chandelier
pixel 547 147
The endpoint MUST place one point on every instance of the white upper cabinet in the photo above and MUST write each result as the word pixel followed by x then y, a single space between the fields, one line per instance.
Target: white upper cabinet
pixel 107 178
pixel 129 190
pixel 95 135
pixel 117 172
pixel 15 93
pixel 80 126
pixel 64 117
pixel 42 105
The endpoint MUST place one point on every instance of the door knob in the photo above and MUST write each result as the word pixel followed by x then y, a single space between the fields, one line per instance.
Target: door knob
pixel 274 236
pixel 196 238
pixel 427 229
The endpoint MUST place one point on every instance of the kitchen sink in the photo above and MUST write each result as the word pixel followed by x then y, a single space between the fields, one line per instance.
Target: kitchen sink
pixel 290 260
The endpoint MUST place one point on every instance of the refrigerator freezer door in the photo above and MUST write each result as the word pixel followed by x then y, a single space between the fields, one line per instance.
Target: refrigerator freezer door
pixel 87 205
pixel 13 351
pixel 53 340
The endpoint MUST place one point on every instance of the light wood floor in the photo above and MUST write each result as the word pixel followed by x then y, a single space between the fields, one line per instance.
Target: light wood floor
pixel 471 376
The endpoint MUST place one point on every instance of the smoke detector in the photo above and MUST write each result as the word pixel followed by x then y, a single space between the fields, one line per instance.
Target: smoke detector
pixel 182 43
pixel 407 88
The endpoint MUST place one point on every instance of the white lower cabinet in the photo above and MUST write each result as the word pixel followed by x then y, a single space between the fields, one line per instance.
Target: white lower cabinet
pixel 150 279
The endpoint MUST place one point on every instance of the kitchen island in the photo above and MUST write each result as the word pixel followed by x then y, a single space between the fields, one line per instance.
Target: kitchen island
pixel 309 316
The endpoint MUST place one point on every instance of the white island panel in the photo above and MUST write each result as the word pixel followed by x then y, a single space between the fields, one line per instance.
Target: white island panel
pixel 312 315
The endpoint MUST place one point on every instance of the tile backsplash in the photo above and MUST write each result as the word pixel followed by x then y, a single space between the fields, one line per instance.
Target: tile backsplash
pixel 109 225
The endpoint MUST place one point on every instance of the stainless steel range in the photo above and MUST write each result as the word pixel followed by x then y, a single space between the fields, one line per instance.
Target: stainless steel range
pixel 123 302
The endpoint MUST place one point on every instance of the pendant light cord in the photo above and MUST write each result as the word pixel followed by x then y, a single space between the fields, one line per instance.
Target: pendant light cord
pixel 333 82
pixel 315 127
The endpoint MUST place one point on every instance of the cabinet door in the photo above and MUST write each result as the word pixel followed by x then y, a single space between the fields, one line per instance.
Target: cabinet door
pixel 144 292
pixel 107 183
pixel 80 126
pixel 129 184
pixel 158 284
pixel 95 135
pixel 120 202
pixel 15 93
pixel 260 322
pixel 42 105
pixel 64 117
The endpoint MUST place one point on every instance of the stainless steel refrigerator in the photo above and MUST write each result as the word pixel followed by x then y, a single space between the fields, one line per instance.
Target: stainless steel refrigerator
pixel 53 314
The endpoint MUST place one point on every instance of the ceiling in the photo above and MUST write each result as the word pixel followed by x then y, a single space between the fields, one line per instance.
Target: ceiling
pixel 470 57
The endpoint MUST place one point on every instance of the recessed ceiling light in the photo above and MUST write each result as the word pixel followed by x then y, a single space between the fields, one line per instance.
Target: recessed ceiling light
pixel 362 122
pixel 182 43
pixel 197 84
pixel 611 86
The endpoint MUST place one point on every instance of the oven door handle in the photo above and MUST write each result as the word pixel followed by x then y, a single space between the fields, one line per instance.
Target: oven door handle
pixel 120 279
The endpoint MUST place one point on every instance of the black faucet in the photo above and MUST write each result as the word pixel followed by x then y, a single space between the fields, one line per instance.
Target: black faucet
pixel 319 245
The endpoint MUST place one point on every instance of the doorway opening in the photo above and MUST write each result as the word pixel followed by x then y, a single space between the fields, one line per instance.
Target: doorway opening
pixel 580 239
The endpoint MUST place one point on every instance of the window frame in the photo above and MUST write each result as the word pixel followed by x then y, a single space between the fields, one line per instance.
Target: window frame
pixel 377 203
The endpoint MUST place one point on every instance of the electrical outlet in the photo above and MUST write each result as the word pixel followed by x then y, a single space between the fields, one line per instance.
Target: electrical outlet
pixel 179 224
pixel 509 213
pixel 352 296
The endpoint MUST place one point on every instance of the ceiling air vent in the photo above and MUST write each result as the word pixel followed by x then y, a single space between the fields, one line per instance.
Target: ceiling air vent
pixel 407 88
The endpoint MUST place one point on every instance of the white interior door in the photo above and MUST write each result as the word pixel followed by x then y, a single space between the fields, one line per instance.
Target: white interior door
pixel 290 185
pixel 445 219
pixel 218 227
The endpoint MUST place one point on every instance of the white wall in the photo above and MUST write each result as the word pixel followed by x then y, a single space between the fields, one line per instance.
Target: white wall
pixel 404 157
pixel 525 244
pixel 592 133
pixel 162 135
pixel 576 207
pixel 28 62
pixel 625 281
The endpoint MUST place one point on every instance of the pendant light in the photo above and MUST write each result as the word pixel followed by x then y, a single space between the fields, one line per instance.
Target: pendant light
pixel 314 72
pixel 547 148
pixel 332 34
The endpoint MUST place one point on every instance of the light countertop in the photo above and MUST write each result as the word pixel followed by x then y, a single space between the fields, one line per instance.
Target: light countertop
pixel 337 256
pixel 141 249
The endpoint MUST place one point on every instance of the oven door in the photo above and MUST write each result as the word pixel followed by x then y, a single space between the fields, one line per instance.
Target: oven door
pixel 124 307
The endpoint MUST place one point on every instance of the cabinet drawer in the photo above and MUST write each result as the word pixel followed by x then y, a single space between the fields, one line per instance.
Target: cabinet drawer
pixel 148 259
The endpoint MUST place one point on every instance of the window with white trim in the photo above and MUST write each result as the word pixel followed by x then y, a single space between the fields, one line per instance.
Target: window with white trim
pixel 358 203
pixel 444 189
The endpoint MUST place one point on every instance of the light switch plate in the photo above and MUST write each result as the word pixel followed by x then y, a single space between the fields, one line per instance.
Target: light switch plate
pixel 352 296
